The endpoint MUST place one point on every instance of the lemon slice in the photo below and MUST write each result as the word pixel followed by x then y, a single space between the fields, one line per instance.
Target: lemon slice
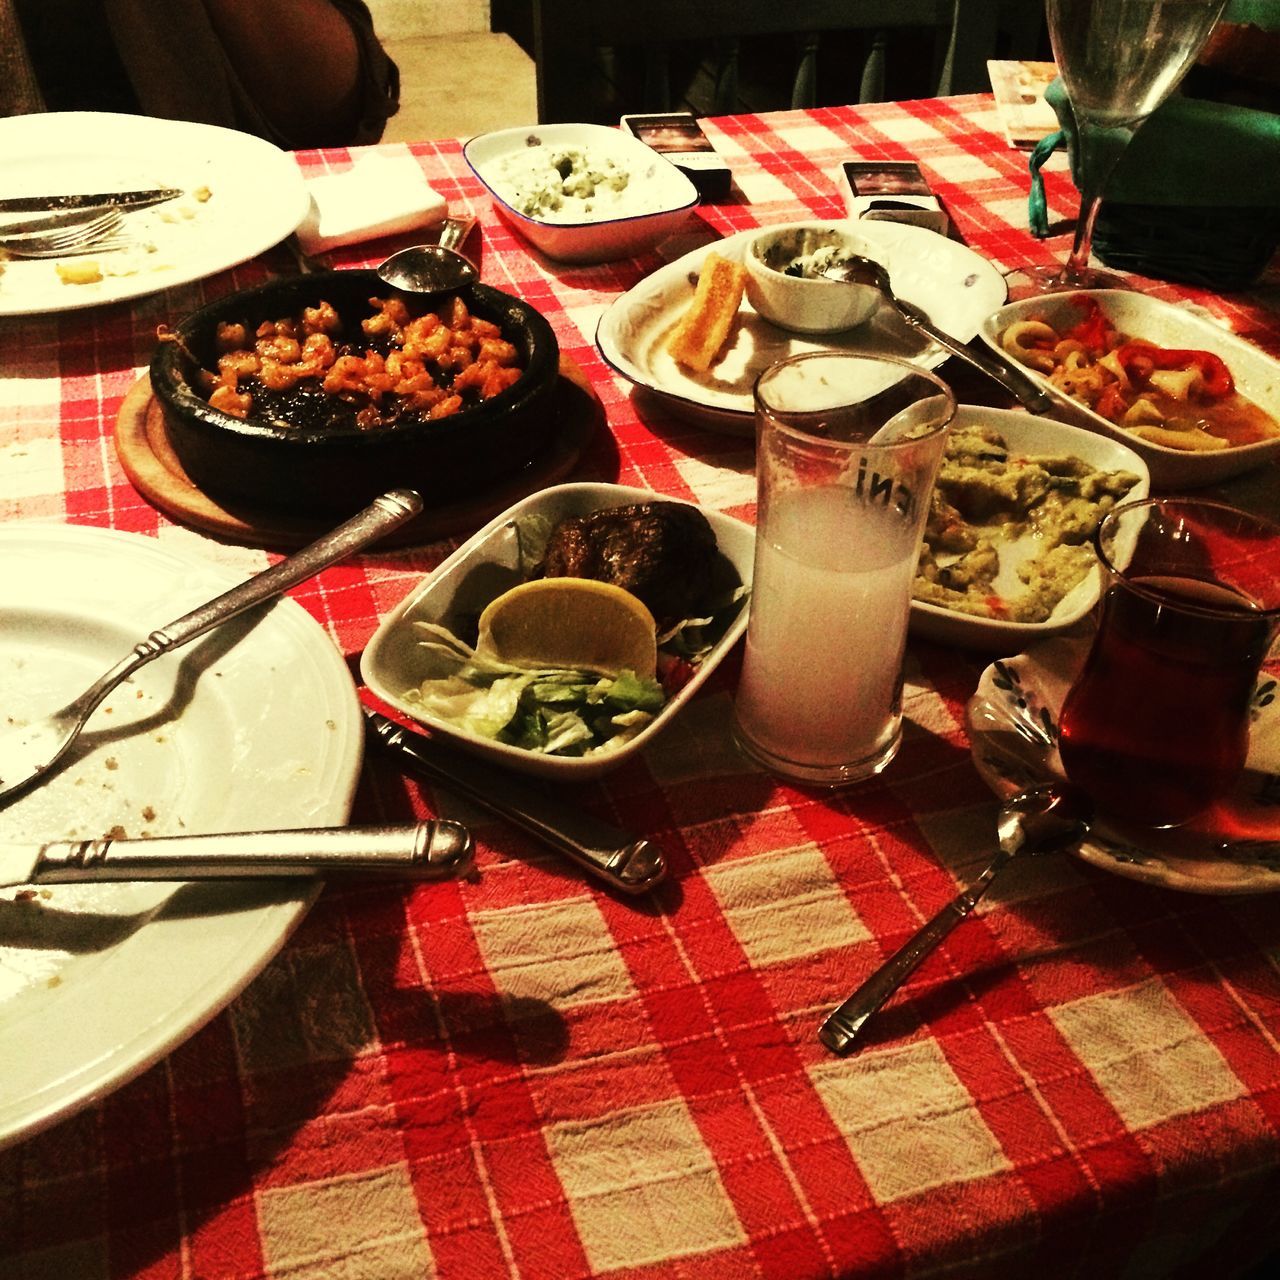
pixel 570 622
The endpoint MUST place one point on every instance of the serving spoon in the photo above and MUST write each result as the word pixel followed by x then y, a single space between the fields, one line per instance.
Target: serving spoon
pixel 29 751
pixel 866 271
pixel 433 268
pixel 1044 819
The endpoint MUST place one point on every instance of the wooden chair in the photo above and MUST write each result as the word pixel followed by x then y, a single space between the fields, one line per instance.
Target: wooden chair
pixel 570 35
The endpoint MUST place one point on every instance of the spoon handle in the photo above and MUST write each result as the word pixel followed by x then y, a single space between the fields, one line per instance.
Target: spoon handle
pixel 1014 381
pixel 843 1024
pixel 384 514
pixel 454 230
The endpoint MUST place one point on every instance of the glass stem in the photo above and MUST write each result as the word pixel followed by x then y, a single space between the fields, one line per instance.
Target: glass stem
pixel 1100 151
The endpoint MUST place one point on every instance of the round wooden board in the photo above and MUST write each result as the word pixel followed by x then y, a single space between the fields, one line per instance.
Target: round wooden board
pixel 144 450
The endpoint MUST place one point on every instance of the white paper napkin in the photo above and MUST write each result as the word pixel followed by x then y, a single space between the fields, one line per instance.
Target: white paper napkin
pixel 378 196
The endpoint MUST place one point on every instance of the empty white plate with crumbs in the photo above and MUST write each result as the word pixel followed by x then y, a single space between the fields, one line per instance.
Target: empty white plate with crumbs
pixel 255 726
pixel 241 195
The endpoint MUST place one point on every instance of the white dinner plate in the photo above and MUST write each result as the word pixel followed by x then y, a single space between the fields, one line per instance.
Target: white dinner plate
pixel 1013 731
pixel 956 287
pixel 256 197
pixel 254 726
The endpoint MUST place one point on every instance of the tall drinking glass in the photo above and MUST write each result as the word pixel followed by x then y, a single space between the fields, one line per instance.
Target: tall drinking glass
pixel 1119 60
pixel 847 450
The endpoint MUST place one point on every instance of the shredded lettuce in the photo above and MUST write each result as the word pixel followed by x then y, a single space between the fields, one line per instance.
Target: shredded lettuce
pixel 551 710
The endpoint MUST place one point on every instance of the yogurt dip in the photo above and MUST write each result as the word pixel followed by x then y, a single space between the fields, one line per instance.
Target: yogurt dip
pixel 568 184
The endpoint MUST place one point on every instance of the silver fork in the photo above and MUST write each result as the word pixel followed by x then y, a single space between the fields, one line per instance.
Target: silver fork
pixel 100 232
pixel 29 750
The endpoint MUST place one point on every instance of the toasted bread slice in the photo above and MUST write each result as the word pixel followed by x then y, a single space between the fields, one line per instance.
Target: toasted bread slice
pixel 701 331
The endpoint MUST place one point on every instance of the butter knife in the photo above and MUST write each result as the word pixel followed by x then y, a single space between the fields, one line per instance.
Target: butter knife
pixel 431 850
pixel 625 861
pixel 95 200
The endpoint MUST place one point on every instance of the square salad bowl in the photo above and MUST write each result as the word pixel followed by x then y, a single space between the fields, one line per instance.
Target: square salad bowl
pixel 499 557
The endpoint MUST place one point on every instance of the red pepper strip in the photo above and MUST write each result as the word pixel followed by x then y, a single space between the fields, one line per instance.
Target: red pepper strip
pixel 1139 358
pixel 1091 332
pixel 1111 403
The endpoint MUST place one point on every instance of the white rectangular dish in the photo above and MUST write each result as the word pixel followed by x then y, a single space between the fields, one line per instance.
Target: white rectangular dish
pixel 491 562
pixel 654 201
pixel 1256 374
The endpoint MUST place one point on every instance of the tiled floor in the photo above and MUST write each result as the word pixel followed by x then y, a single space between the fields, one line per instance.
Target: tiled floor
pixel 459 85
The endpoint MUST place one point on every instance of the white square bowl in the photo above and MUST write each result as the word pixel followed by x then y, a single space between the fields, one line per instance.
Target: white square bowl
pixel 489 563
pixel 663 194
pixel 1035 437
pixel 1256 375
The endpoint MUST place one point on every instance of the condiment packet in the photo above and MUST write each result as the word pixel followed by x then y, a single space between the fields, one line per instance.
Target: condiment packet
pixel 379 195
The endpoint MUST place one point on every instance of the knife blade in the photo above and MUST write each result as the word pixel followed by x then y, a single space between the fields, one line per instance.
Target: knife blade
pixel 429 850
pixel 95 200
pixel 621 859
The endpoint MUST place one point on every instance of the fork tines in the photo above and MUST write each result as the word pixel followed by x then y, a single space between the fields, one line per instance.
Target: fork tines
pixel 98 233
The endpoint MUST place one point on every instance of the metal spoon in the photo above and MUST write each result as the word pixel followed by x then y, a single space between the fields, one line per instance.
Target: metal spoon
pixel 29 751
pixel 433 268
pixel 1045 819
pixel 864 271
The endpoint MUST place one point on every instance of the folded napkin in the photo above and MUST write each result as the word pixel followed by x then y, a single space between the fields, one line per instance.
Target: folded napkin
pixel 378 196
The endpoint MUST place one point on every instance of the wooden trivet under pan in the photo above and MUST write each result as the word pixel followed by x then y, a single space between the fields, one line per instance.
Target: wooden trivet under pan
pixel 144 450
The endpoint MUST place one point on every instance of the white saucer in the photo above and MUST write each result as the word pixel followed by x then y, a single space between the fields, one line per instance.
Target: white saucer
pixel 1013 730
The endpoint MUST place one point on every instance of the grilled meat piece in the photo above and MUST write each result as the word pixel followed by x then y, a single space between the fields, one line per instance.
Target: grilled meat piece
pixel 662 552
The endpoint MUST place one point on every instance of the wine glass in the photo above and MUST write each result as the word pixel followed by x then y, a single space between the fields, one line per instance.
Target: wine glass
pixel 1119 60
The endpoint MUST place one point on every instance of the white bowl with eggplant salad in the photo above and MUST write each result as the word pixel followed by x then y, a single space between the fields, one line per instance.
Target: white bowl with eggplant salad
pixel 581 193
pixel 689 569
pixel 1008 557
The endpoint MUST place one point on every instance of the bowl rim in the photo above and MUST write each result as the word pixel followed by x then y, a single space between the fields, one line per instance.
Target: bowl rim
pixel 172 386
pixel 627 144
pixel 751 250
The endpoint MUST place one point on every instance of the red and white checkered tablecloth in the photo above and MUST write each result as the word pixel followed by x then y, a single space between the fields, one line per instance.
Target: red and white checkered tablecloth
pixel 523 1075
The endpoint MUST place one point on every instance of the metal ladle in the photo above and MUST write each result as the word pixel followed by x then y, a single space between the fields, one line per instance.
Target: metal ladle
pixel 866 271
pixel 433 268
pixel 1045 819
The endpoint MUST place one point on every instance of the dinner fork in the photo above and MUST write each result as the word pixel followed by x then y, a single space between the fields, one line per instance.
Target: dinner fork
pixel 100 232
pixel 28 750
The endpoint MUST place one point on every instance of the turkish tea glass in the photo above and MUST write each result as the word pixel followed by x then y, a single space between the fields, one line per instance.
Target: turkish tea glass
pixel 1156 725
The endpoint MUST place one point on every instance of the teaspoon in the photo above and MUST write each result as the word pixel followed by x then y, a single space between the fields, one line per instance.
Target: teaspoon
pixel 864 271
pixel 433 268
pixel 1045 819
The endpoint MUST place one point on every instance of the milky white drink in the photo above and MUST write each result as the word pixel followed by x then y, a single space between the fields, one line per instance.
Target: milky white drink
pixel 846 454
pixel 821 679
